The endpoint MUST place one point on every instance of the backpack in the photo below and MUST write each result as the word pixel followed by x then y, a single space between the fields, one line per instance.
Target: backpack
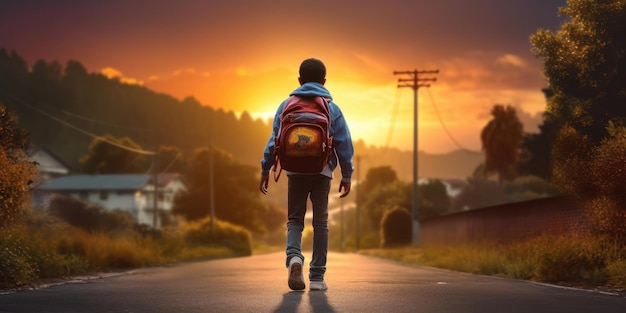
pixel 304 144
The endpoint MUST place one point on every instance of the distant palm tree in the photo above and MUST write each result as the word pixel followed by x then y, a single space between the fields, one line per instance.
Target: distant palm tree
pixel 501 139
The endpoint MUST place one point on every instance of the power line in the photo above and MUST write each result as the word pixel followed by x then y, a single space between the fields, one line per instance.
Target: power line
pixel 76 128
pixel 92 120
pixel 445 128
pixel 394 115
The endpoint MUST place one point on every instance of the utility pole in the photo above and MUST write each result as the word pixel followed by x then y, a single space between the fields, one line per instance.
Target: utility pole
pixel 415 82
pixel 211 181
pixel 358 187
pixel 155 182
pixel 343 237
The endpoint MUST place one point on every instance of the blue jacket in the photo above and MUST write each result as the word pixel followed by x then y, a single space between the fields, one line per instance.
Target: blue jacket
pixel 342 141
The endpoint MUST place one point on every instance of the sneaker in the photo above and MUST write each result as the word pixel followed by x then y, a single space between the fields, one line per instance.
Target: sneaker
pixel 318 285
pixel 296 278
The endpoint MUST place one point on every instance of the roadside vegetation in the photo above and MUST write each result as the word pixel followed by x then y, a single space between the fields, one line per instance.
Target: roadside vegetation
pixel 579 260
pixel 69 237
pixel 47 247
pixel 581 150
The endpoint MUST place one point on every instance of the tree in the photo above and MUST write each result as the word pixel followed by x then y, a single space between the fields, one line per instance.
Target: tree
pixel 14 77
pixel 171 160
pixel 538 147
pixel 433 199
pixel 501 139
pixel 385 197
pixel 478 193
pixel 16 172
pixel 236 197
pixel 107 155
pixel 585 64
pixel 596 176
pixel 382 191
pixel 381 175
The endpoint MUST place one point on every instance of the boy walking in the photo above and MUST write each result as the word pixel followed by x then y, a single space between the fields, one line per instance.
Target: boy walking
pixel 316 186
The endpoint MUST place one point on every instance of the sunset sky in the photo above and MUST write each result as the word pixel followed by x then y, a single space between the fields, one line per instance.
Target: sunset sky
pixel 243 55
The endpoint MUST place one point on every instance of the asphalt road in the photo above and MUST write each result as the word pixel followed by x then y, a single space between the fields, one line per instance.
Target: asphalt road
pixel 259 284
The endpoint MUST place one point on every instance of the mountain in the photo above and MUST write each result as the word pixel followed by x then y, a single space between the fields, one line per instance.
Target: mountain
pixel 458 164
pixel 65 107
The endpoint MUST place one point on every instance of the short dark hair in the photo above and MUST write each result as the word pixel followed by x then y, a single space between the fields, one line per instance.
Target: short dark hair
pixel 312 70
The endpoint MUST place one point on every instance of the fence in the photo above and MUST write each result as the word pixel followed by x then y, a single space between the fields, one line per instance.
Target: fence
pixel 506 222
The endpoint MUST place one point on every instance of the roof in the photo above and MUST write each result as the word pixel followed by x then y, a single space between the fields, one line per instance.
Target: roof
pixel 105 182
pixel 48 161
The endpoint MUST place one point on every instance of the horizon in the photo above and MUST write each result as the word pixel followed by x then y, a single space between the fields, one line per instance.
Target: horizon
pixel 186 48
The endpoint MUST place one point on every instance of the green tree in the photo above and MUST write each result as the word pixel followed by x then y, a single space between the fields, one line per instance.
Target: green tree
pixel 16 172
pixel 585 64
pixel 383 192
pixel 433 199
pixel 501 139
pixel 236 197
pixel 596 176
pixel 375 176
pixel 110 155
pixel 386 197
pixel 171 160
pixel 14 69
pixel 538 147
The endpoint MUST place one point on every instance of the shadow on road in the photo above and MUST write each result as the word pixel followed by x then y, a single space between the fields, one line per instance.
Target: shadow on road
pixel 292 299
pixel 290 302
pixel 319 302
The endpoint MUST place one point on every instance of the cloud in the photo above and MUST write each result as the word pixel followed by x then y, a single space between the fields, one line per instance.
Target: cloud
pixel 113 73
pixel 530 121
pixel 185 72
pixel 181 83
pixel 477 70
pixel 511 59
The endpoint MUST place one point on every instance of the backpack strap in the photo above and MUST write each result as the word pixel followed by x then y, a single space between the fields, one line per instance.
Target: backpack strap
pixel 276 177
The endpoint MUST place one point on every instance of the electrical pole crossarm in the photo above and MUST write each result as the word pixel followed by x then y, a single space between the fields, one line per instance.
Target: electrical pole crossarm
pixel 415 82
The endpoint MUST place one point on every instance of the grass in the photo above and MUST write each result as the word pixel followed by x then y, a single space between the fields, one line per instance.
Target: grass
pixel 574 259
pixel 49 248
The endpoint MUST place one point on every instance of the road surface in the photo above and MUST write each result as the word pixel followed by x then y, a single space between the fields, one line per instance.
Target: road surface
pixel 259 284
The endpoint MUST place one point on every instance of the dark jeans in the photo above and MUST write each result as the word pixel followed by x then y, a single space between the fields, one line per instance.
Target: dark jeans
pixel 301 187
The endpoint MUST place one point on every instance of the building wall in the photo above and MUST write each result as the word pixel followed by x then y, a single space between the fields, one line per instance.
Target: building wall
pixel 505 223
pixel 110 200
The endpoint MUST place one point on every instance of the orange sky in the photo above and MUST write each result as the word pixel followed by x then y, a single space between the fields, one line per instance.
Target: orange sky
pixel 243 55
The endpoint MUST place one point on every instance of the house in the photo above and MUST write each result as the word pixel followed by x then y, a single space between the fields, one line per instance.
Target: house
pixel 49 165
pixel 132 193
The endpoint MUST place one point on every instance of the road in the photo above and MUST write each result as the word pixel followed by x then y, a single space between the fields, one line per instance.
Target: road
pixel 259 284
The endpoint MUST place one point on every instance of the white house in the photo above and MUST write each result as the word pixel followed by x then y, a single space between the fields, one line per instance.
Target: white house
pixel 132 193
pixel 49 165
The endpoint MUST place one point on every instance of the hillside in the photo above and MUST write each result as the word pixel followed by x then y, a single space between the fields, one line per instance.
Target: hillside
pixel 63 107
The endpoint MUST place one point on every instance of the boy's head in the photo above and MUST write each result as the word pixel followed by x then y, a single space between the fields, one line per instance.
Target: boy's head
pixel 312 71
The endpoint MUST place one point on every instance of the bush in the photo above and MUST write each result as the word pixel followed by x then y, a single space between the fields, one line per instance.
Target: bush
pixel 617 273
pixel 570 258
pixel 595 174
pixel 396 228
pixel 16 265
pixel 89 217
pixel 529 187
pixel 227 235
pixel 17 172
